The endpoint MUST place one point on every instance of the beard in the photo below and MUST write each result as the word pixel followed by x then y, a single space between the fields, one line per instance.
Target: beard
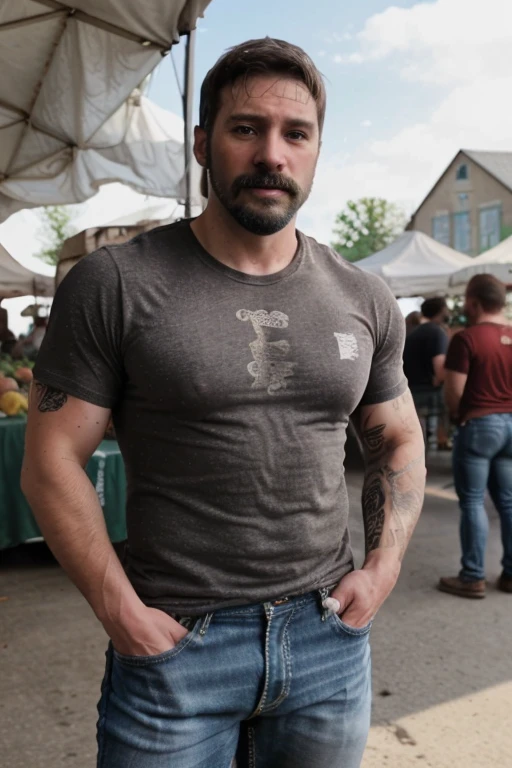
pixel 264 216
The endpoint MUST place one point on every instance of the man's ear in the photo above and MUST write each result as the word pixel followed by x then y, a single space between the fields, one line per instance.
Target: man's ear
pixel 200 141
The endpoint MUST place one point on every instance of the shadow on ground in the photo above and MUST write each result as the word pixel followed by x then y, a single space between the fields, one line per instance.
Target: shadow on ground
pixel 428 648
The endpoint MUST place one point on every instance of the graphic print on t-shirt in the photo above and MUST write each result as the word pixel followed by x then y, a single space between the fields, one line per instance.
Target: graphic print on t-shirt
pixel 347 344
pixel 269 369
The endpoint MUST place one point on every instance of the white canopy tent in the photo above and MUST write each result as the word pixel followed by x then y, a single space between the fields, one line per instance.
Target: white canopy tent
pixel 415 265
pixel 497 261
pixel 16 280
pixel 68 120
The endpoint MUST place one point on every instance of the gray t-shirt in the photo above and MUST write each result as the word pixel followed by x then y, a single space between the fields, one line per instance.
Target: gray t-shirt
pixel 231 395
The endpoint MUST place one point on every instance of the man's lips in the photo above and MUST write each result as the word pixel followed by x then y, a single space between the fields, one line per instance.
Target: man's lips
pixel 267 191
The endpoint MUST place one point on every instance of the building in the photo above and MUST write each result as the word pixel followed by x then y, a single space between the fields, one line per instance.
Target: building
pixel 470 206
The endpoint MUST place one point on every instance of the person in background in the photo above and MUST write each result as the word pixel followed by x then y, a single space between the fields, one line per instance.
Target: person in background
pixel 478 392
pixel 424 357
pixel 412 321
pixel 30 345
pixel 7 337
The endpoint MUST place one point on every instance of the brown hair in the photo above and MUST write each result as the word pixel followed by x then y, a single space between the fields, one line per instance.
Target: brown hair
pixel 432 307
pixel 266 55
pixel 490 292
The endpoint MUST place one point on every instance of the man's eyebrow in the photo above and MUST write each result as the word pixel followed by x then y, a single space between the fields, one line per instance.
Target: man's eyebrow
pixel 251 117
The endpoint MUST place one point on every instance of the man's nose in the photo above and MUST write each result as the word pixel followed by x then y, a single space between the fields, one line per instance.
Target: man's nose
pixel 270 153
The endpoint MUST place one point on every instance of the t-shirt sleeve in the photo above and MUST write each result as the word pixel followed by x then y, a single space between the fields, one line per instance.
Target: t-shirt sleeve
pixel 458 357
pixel 439 342
pixel 386 380
pixel 81 351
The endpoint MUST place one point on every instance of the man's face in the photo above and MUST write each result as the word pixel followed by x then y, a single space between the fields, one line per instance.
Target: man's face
pixel 263 150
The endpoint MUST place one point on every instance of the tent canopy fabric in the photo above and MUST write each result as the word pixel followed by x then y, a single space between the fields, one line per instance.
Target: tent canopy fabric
pixel 67 119
pixel 497 261
pixel 415 265
pixel 17 280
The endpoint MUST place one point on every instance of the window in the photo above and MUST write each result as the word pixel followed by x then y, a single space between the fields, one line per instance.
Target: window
pixel 462 232
pixel 463 201
pixel 441 228
pixel 489 227
pixel 462 173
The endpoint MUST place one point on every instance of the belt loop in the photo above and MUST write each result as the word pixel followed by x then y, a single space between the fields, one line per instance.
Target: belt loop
pixel 323 592
pixel 205 624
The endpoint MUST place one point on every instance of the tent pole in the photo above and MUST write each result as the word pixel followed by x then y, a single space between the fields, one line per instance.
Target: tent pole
pixel 188 110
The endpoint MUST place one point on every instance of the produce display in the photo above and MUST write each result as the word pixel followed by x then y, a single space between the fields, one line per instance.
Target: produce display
pixel 15 379
pixel 13 403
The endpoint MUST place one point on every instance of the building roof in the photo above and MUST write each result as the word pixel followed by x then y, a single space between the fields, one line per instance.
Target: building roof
pixel 498 164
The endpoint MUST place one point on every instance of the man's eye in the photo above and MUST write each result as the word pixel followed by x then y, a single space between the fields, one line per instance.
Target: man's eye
pixel 244 130
pixel 296 135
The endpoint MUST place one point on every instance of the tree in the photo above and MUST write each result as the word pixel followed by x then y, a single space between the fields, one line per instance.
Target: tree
pixel 55 229
pixel 366 226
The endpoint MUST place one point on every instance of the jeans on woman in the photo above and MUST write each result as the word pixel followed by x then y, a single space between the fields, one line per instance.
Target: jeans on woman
pixel 482 459
pixel 278 685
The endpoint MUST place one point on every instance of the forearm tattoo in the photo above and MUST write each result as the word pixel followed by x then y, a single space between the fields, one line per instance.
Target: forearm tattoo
pixel 48 398
pixel 374 502
pixel 385 487
pixel 392 497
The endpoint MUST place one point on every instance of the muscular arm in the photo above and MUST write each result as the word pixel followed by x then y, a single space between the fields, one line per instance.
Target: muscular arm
pixel 454 385
pixel 62 433
pixel 392 498
pixel 394 479
pixel 439 373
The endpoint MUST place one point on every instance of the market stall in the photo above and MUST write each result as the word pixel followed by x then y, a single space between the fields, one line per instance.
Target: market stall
pixel 415 265
pixel 17 280
pixel 497 261
pixel 72 116
pixel 105 470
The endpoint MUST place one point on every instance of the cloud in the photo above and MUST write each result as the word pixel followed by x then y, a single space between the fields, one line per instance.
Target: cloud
pixel 442 42
pixel 348 58
pixel 366 124
pixel 450 46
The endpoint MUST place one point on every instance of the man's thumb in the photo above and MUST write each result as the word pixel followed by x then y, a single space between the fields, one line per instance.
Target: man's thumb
pixel 332 605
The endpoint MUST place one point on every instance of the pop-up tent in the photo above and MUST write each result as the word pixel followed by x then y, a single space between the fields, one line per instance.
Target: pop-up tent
pixel 497 261
pixel 68 121
pixel 415 265
pixel 16 280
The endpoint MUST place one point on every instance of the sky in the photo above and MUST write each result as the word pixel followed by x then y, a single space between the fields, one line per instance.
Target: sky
pixel 409 83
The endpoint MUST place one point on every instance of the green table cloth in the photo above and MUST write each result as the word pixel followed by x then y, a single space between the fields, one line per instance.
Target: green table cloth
pixel 105 470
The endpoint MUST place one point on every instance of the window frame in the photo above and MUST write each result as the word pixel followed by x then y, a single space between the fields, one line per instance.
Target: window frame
pixel 459 215
pixel 483 209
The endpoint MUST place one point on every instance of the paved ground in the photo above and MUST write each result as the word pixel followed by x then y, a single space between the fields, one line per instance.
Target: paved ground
pixel 442 668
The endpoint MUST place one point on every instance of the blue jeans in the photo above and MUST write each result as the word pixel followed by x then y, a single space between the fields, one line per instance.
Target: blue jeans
pixel 276 686
pixel 482 458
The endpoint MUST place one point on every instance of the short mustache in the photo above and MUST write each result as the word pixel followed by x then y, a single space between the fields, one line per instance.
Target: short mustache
pixel 266 181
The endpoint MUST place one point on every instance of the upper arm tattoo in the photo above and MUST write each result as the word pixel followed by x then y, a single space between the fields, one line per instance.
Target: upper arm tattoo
pixel 48 398
pixel 373 438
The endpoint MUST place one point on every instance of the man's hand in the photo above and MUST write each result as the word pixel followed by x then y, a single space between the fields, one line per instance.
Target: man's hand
pixel 361 594
pixel 149 633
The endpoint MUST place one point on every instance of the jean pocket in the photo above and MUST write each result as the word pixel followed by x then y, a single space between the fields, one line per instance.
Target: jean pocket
pixel 348 630
pixel 159 658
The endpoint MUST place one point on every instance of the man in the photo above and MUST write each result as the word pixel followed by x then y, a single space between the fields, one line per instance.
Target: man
pixel 231 351
pixel 424 356
pixel 412 321
pixel 7 337
pixel 478 391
